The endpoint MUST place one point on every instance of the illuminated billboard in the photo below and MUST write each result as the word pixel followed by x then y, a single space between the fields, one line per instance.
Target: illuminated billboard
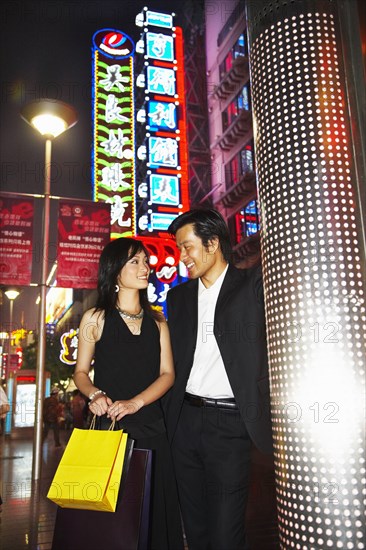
pixel 140 160
pixel 58 301
pixel 162 177
pixel 113 141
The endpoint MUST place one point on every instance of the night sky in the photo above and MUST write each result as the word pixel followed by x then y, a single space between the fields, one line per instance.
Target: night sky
pixel 45 51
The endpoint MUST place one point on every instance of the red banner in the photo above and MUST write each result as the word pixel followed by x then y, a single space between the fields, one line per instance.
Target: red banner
pixel 83 232
pixel 16 235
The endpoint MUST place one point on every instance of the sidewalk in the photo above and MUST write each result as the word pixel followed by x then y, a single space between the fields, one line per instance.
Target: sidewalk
pixel 27 519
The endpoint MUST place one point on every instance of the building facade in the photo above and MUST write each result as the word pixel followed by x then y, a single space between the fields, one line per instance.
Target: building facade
pixel 234 191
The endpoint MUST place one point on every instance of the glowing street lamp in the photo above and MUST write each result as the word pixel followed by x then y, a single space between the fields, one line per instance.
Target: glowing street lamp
pixel 50 118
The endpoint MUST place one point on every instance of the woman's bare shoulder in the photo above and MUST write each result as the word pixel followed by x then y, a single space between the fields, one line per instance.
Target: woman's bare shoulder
pixel 92 315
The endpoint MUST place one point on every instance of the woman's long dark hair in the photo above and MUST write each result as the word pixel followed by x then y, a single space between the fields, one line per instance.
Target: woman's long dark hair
pixel 113 258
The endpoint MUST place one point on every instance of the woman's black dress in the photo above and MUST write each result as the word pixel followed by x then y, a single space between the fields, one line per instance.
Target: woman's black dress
pixel 125 364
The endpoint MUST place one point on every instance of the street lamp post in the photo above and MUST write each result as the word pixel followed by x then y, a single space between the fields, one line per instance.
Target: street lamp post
pixel 50 118
pixel 11 295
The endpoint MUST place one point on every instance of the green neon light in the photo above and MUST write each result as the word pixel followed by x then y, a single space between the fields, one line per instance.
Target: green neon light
pixel 105 128
pixel 124 234
pixel 107 163
pixel 103 196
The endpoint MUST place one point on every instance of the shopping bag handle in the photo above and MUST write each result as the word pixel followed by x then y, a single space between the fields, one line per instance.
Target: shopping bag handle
pixel 93 422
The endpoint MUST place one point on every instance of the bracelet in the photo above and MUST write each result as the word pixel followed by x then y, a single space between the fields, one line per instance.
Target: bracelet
pixel 91 397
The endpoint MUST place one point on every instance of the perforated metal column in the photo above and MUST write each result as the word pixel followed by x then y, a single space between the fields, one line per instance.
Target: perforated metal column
pixel 314 271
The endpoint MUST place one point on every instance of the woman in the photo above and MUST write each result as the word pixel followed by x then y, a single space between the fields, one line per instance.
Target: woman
pixel 133 369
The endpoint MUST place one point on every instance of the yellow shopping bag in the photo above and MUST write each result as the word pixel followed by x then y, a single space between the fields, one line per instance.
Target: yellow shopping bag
pixel 89 473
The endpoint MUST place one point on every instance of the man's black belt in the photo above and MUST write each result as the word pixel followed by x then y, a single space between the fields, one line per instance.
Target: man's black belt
pixel 220 403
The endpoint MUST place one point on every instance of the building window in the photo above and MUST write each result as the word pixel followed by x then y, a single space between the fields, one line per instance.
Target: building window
pixel 245 223
pixel 240 102
pixel 239 49
pixel 250 219
pixel 240 164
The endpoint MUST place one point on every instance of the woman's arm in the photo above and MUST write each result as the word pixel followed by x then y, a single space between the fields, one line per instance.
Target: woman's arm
pixel 158 388
pixel 90 330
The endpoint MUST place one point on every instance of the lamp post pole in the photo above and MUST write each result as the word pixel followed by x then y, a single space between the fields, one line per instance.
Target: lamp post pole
pixel 11 295
pixel 41 351
pixel 50 118
pixel 11 305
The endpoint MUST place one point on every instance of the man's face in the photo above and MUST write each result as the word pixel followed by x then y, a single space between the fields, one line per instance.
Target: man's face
pixel 197 259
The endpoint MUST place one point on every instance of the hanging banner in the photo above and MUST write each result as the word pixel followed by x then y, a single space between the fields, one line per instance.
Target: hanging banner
pixel 83 232
pixel 16 234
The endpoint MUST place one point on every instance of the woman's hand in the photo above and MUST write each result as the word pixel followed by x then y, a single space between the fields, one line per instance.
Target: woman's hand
pixel 100 404
pixel 119 409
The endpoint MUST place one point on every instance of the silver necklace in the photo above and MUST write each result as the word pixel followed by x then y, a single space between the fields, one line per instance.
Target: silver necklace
pixel 131 316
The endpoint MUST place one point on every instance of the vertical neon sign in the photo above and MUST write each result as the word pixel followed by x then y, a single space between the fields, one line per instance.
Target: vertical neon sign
pixel 113 140
pixel 163 185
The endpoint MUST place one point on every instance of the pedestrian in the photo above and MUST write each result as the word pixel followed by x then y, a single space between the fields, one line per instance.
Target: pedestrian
pixel 52 413
pixel 133 369
pixel 77 409
pixel 219 404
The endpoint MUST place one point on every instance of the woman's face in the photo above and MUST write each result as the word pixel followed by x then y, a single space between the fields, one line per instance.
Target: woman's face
pixel 135 273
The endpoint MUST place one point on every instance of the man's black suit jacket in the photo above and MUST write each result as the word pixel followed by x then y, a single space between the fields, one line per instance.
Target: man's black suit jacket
pixel 239 329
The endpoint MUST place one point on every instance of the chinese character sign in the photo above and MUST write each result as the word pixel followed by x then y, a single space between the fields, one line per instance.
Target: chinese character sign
pixel 113 144
pixel 161 129
pixel 69 347
pixel 16 234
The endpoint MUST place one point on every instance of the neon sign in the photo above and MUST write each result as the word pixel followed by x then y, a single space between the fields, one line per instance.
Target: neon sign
pixel 162 178
pixel 162 116
pixel 164 189
pixel 159 46
pixel 113 143
pixel 161 81
pixel 69 347
pixel 140 159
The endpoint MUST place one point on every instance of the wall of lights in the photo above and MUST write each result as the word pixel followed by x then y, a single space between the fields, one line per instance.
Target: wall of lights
pixel 314 271
pixel 140 149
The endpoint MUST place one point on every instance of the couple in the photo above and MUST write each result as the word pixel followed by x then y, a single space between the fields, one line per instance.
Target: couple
pixel 208 371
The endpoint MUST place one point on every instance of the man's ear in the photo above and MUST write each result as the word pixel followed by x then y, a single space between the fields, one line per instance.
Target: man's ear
pixel 213 245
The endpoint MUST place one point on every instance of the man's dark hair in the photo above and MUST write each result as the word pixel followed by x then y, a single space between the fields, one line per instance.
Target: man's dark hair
pixel 207 224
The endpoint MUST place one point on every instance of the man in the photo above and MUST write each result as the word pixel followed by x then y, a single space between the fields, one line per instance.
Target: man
pixel 52 410
pixel 219 403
